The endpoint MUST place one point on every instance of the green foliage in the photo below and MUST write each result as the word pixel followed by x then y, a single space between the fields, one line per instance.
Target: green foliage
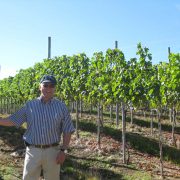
pixel 107 78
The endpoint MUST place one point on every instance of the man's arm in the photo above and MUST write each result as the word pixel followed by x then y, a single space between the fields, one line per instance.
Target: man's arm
pixel 66 140
pixel 61 155
pixel 6 122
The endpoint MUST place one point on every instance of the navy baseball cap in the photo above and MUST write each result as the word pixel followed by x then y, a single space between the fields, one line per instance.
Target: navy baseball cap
pixel 48 79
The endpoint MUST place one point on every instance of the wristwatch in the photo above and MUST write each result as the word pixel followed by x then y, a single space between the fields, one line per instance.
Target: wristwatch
pixel 63 150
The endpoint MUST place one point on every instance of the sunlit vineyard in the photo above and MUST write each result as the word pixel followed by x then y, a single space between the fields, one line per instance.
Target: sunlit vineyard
pixel 110 85
pixel 104 78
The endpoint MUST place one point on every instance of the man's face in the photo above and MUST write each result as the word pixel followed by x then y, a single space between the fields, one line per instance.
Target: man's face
pixel 47 90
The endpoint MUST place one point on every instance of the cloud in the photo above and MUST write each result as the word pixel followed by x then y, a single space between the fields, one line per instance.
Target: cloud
pixel 7 71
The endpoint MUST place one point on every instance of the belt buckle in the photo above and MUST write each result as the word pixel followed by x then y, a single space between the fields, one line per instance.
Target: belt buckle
pixel 41 146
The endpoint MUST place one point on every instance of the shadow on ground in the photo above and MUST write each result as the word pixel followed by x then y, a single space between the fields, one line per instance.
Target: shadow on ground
pixel 11 136
pixel 80 168
pixel 136 141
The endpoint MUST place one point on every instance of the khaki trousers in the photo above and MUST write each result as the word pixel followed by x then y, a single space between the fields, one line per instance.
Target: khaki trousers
pixel 37 159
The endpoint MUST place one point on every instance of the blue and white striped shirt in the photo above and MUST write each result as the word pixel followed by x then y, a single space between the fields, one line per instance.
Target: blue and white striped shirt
pixel 45 121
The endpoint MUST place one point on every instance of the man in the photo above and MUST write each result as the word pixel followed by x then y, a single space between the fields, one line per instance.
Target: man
pixel 47 118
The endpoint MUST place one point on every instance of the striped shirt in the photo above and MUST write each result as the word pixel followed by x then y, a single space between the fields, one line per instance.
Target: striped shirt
pixel 45 121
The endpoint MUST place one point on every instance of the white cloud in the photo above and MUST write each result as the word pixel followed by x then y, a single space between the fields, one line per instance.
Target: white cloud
pixel 7 71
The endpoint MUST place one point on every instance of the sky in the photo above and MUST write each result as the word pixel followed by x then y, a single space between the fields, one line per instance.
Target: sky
pixel 85 26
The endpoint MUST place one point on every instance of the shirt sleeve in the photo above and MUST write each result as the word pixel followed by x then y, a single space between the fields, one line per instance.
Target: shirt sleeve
pixel 67 125
pixel 19 117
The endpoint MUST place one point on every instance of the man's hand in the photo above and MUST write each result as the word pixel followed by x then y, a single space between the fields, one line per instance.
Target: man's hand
pixel 60 157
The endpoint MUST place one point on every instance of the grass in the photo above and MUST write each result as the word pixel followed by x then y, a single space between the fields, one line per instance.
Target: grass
pixel 88 168
pixel 138 176
pixel 8 173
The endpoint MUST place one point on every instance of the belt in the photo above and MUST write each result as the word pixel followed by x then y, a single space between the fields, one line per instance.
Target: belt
pixel 42 146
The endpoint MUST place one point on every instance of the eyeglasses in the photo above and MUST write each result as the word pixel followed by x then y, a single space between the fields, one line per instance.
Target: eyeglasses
pixel 48 85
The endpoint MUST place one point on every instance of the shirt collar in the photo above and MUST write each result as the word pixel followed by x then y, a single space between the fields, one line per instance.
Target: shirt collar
pixel 41 99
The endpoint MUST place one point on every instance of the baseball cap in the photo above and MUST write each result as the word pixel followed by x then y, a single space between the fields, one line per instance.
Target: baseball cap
pixel 48 79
